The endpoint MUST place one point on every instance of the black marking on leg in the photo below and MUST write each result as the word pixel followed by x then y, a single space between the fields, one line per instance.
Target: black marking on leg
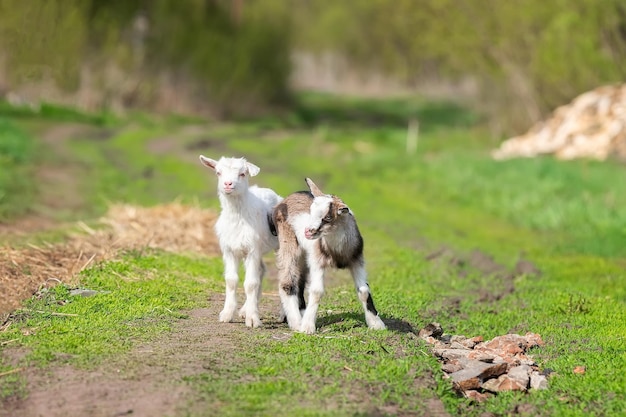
pixel 301 301
pixel 370 305
pixel 302 281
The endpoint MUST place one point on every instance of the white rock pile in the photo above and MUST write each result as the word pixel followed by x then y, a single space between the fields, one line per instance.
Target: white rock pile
pixel 592 126
pixel 479 369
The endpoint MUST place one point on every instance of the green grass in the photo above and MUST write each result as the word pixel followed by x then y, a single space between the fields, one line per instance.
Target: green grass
pixel 343 364
pixel 17 183
pixel 138 297
pixel 565 217
pixel 47 111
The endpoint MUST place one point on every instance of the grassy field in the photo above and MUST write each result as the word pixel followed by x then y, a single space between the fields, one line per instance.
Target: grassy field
pixel 565 217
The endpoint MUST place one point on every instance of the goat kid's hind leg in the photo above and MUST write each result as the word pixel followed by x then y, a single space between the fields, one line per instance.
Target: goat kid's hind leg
pixel 255 269
pixel 287 289
pixel 288 279
pixel 282 317
pixel 363 291
pixel 288 260
pixel 316 291
pixel 231 264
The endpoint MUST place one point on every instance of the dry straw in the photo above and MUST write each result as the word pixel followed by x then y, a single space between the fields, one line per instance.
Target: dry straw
pixel 172 227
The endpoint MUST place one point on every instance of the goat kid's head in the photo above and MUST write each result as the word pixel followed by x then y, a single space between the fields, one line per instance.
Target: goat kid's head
pixel 232 173
pixel 326 210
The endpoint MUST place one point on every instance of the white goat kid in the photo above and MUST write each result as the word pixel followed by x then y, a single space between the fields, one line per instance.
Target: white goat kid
pixel 245 232
pixel 317 231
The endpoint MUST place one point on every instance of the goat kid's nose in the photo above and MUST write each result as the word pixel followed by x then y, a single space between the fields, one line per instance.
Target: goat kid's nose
pixel 228 183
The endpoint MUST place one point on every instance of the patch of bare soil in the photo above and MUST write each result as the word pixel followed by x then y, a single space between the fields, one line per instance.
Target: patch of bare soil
pixel 499 279
pixel 188 143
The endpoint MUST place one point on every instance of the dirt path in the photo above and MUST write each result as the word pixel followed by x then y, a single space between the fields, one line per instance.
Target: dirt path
pixel 148 381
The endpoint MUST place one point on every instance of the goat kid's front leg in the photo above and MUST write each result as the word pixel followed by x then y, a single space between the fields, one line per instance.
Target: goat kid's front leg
pixel 316 291
pixel 255 269
pixel 363 291
pixel 231 264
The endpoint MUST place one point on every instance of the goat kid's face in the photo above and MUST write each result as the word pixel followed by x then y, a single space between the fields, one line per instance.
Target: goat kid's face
pixel 326 211
pixel 232 173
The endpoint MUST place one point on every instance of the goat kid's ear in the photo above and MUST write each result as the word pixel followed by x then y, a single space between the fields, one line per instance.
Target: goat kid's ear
pixel 208 162
pixel 252 169
pixel 343 210
pixel 314 188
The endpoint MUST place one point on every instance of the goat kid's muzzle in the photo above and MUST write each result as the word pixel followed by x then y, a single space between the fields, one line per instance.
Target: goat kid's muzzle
pixel 311 233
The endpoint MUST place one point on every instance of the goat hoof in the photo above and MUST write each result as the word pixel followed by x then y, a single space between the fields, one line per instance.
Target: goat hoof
pixel 377 324
pixel 253 321
pixel 282 317
pixel 226 316
pixel 307 328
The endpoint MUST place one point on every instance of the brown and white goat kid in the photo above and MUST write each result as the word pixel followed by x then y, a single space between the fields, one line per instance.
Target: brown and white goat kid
pixel 245 232
pixel 317 231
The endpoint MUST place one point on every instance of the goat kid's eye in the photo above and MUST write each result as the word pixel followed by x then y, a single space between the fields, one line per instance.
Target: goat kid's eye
pixel 327 218
pixel 218 173
pixel 243 174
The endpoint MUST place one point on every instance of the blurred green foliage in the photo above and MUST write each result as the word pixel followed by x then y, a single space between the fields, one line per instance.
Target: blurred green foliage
pixel 236 58
pixel 16 168
pixel 529 56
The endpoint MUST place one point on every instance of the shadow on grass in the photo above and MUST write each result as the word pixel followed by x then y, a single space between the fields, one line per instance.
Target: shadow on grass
pixel 347 321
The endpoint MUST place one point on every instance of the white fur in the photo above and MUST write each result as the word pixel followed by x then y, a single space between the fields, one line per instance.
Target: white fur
pixel 339 232
pixel 243 232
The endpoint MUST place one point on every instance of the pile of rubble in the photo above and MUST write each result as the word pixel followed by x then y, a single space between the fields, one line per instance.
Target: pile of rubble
pixel 593 126
pixel 479 368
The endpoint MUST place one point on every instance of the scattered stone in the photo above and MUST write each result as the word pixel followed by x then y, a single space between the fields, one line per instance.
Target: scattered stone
pixel 449 354
pixel 503 383
pixel 580 370
pixel 484 356
pixel 452 366
pixel 477 367
pixel 457 345
pixel 475 372
pixel 521 375
pixel 477 395
pixel 465 384
pixel 83 292
pixel 538 381
pixel 431 329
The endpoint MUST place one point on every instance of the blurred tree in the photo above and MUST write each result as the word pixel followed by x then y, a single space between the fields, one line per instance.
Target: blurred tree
pixel 529 55
pixel 234 53
pixel 42 40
